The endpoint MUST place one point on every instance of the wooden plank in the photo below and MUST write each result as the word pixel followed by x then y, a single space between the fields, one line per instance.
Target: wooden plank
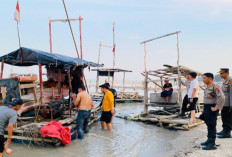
pixel 28 85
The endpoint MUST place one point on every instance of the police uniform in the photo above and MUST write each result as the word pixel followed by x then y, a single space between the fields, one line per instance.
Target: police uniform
pixel 213 97
pixel 226 112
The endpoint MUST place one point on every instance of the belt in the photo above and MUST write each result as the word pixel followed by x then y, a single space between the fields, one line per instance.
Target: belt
pixel 86 110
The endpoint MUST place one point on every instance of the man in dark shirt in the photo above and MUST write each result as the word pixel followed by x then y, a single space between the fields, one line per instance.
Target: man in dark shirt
pixel 167 91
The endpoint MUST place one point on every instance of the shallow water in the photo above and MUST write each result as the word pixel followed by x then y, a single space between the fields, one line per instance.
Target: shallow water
pixel 127 139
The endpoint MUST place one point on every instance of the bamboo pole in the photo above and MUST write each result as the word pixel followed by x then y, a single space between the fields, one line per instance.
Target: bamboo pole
pixel 145 57
pixel 124 73
pixel 146 92
pixel 2 68
pixel 179 74
pixel 97 83
pixel 41 84
pixel 50 34
pixel 74 40
pixel 114 46
pixel 160 37
pixel 80 37
pixel 71 28
pixel 70 90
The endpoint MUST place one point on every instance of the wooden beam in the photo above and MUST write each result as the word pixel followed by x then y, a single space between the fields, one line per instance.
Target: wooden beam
pixel 160 37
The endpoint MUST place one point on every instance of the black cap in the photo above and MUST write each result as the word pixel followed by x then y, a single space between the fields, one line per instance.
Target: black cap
pixel 223 70
pixel 107 84
pixel 16 101
pixel 104 86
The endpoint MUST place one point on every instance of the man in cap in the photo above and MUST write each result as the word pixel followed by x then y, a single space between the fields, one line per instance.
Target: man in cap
pixel 167 90
pixel 8 116
pixel 113 91
pixel 107 107
pixel 213 102
pixel 226 112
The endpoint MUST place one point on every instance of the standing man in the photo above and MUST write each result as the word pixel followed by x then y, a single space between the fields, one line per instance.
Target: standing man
pixel 185 101
pixel 84 104
pixel 107 107
pixel 226 112
pixel 114 93
pixel 213 102
pixel 193 94
pixel 167 90
pixel 8 116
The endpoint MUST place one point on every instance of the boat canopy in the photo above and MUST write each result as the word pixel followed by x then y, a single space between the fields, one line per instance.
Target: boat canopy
pixel 35 57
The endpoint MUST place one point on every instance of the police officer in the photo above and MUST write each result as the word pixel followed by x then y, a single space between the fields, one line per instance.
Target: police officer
pixel 226 112
pixel 213 102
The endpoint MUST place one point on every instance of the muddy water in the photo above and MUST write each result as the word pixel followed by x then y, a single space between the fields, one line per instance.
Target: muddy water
pixel 128 139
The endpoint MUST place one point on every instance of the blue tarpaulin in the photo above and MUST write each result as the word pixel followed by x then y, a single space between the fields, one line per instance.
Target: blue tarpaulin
pixel 34 57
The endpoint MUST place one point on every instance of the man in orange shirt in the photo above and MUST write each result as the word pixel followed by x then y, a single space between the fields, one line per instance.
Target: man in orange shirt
pixel 107 107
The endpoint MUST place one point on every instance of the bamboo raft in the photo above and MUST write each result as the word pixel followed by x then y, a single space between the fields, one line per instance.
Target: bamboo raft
pixel 163 118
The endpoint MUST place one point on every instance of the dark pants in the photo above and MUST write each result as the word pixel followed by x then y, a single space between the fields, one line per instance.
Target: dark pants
pixel 226 118
pixel 165 94
pixel 210 120
pixel 185 104
pixel 1 143
pixel 82 123
pixel 192 105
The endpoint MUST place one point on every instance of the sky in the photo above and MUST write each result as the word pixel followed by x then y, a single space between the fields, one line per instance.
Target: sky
pixel 205 38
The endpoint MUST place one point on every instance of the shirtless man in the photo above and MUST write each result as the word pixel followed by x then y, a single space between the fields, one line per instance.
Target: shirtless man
pixel 84 103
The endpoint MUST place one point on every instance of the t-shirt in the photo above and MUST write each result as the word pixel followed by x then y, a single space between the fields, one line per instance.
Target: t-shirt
pixel 115 95
pixel 193 84
pixel 169 85
pixel 108 101
pixel 7 115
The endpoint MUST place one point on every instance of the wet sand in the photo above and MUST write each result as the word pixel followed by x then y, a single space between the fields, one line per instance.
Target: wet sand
pixel 130 139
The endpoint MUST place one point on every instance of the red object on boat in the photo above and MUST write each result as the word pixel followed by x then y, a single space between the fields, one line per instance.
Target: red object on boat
pixel 56 130
pixel 26 78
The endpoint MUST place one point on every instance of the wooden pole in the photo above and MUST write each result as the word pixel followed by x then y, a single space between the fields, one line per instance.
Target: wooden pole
pixel 145 57
pixel 99 54
pixel 74 40
pixel 146 92
pixel 70 91
pixel 97 83
pixel 2 68
pixel 80 37
pixel 108 76
pixel 114 44
pixel 59 81
pixel 41 84
pixel 112 84
pixel 179 73
pixel 71 29
pixel 20 51
pixel 160 37
pixel 124 79
pixel 50 34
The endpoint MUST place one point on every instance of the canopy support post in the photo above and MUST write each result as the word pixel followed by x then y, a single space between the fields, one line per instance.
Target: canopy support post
pixel 41 84
pixel 124 75
pixel 179 73
pixel 2 68
pixel 97 83
pixel 146 92
pixel 70 91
